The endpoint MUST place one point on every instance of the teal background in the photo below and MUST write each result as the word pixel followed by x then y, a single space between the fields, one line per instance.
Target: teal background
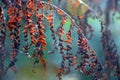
pixel 24 65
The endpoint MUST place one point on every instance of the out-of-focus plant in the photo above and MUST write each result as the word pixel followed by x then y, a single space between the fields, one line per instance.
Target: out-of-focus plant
pixel 38 15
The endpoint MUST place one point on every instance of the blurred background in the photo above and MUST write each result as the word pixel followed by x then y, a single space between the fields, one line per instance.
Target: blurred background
pixel 93 11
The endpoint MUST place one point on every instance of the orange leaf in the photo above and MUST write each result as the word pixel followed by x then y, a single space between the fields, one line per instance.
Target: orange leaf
pixel 42 60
